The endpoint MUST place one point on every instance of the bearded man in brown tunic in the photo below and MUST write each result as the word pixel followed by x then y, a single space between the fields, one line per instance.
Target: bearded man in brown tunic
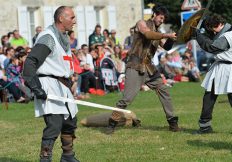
pixel 140 70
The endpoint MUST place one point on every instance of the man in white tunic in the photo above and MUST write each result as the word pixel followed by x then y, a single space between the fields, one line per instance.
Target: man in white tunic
pixel 46 71
pixel 218 79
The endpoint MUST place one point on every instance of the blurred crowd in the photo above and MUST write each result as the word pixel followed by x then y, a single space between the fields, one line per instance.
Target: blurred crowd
pixel 178 68
pixel 99 65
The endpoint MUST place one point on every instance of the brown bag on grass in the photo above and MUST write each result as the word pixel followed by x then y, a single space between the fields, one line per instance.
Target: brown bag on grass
pixel 102 120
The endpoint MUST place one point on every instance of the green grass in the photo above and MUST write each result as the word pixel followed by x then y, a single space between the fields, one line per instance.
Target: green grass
pixel 20 132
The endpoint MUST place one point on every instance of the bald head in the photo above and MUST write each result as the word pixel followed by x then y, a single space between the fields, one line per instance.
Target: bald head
pixel 64 18
pixel 59 12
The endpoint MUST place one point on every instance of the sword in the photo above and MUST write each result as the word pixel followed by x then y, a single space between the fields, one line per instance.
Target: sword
pixel 85 103
pixel 204 14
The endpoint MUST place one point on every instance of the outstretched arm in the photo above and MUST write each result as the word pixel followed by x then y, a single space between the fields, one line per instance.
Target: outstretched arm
pixel 152 35
pixel 219 45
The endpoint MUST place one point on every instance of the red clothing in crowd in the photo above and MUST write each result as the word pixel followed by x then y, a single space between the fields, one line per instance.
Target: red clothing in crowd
pixel 76 65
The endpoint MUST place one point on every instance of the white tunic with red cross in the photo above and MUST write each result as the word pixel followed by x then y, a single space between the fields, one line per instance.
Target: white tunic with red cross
pixel 58 63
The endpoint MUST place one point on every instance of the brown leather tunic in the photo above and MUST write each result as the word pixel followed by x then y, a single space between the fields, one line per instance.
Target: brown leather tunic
pixel 142 50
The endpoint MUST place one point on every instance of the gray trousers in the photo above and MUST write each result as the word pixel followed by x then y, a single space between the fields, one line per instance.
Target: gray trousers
pixel 134 81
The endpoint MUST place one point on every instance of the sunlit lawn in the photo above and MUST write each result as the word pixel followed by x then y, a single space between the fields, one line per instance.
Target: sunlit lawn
pixel 20 132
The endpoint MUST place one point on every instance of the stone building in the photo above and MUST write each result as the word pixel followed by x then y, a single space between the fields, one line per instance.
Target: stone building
pixel 25 15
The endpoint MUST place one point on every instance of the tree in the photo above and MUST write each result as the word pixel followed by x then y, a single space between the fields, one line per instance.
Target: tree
pixel 174 6
pixel 223 8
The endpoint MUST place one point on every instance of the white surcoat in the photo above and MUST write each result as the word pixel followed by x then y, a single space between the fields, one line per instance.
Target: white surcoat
pixel 220 73
pixel 58 63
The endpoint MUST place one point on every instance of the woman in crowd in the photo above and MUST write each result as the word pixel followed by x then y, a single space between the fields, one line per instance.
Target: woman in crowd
pixel 120 65
pixel 107 41
pixel 72 40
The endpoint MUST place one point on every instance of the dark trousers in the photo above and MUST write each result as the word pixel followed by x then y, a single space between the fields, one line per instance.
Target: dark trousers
pixel 12 89
pixel 99 79
pixel 56 124
pixel 209 100
pixel 88 81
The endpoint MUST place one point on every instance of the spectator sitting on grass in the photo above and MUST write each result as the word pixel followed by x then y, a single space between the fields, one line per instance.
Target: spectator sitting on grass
pixel 194 71
pixel 4 83
pixel 170 72
pixel 14 75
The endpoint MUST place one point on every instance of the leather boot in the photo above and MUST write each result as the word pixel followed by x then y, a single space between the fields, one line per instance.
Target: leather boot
pixel 111 127
pixel 67 145
pixel 68 158
pixel 136 123
pixel 46 150
pixel 173 124
pixel 204 130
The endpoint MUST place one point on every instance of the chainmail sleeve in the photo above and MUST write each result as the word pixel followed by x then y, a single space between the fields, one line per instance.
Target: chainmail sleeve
pixel 48 41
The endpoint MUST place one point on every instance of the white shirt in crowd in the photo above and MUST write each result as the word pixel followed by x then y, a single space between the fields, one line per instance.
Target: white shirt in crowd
pixel 1 74
pixel 87 59
pixel 2 59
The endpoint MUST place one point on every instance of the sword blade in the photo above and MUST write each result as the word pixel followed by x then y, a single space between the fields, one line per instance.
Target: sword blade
pixel 85 103
pixel 205 12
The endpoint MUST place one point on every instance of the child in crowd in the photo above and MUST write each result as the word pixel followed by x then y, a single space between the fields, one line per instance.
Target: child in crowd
pixel 194 71
pixel 13 73
pixel 5 84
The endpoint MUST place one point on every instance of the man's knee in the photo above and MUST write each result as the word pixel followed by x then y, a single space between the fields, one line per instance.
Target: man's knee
pixel 53 126
pixel 51 131
pixel 69 126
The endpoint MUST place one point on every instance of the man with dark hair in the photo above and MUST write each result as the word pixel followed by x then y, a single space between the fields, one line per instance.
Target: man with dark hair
pixel 140 69
pixel 218 79
pixel 46 71
pixel 213 22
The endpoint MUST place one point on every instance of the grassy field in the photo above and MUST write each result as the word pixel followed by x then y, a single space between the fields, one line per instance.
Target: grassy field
pixel 20 132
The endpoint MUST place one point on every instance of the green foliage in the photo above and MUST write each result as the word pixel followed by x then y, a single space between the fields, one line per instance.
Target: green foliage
pixel 21 133
pixel 174 6
pixel 223 8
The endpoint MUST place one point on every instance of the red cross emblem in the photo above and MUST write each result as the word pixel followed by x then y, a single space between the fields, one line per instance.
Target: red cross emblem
pixel 69 58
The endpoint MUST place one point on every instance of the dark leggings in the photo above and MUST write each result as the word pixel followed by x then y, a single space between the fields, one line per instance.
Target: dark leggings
pixel 12 89
pixel 88 81
pixel 56 124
